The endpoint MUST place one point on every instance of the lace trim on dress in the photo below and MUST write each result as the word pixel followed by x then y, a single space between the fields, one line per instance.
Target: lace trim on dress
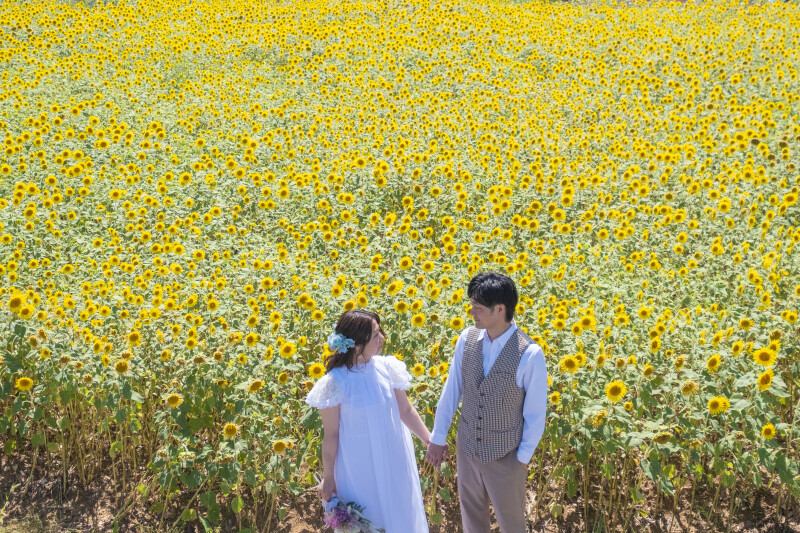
pixel 325 393
pixel 399 376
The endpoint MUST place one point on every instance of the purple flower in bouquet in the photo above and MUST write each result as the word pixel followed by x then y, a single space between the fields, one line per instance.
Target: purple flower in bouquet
pixel 337 517
pixel 347 518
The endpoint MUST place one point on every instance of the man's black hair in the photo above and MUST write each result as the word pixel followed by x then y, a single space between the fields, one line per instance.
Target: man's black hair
pixel 491 288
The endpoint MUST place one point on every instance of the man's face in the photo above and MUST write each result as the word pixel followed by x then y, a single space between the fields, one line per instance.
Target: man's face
pixel 487 317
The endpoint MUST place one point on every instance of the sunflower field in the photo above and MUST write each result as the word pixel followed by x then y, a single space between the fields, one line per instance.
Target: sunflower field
pixel 191 192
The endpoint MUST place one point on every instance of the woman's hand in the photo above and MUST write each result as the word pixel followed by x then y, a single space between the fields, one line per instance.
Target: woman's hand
pixel 327 489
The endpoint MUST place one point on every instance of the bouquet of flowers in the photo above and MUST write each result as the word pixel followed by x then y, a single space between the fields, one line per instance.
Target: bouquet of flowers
pixel 347 518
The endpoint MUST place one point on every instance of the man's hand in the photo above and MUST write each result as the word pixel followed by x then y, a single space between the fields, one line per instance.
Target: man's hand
pixel 436 455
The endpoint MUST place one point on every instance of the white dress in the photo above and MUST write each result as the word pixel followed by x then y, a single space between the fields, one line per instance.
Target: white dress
pixel 375 463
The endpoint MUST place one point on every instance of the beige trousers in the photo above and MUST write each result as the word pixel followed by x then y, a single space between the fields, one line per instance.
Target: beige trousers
pixel 502 482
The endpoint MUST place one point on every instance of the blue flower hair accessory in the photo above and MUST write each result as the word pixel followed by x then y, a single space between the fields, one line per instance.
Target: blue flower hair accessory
pixel 339 343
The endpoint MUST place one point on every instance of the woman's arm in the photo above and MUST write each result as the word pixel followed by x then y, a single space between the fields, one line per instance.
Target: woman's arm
pixel 411 418
pixel 330 446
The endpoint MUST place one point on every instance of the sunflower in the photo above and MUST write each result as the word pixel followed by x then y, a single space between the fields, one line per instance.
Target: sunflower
pixel 418 369
pixel 316 371
pixel 121 366
pixel 713 362
pixel 418 320
pixel 288 349
pixel 255 386
pixel 16 302
pixel 134 338
pixel 768 431
pixel 765 379
pixel 765 356
pixel 457 323
pixel 569 364
pixel 718 404
pixel 689 388
pixel 174 400
pixel 24 384
pixel 230 430
pixel 662 437
pixel 279 446
pixel 283 377
pixel 736 349
pixel 616 390
pixel 599 417
pixel 555 398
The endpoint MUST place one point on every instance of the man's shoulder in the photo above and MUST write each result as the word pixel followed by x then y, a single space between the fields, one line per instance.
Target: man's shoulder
pixel 469 330
pixel 524 336
pixel 527 341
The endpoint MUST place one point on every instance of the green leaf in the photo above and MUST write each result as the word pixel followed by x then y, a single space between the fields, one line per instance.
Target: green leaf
pixel 787 469
pixel 309 418
pixel 437 519
pixel 237 504
pixel 665 485
pixel 12 363
pixel 741 405
pixel 572 487
pixel 188 515
pixel 608 470
pixel 651 468
pixel 745 381
pixel 444 493
pixel 115 448
pixel 129 394
pixel 193 480
pixel 636 495
pixel 728 477
pixel 282 512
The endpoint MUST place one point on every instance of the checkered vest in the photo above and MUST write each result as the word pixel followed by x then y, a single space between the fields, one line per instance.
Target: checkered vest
pixel 491 406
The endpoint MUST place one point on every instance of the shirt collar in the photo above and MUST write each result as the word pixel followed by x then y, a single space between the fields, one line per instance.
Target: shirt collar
pixel 502 338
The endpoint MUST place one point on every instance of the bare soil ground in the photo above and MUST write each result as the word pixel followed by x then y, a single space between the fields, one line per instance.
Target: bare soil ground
pixel 46 506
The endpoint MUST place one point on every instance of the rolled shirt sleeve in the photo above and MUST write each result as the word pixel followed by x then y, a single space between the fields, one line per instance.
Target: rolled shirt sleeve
pixel 532 376
pixel 451 395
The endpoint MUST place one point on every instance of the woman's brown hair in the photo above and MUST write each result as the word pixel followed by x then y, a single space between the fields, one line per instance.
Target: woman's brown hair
pixel 355 325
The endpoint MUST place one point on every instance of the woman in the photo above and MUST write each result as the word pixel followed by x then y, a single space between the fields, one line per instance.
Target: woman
pixel 367 452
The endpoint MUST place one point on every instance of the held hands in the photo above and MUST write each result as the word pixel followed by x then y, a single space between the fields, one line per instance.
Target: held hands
pixel 436 454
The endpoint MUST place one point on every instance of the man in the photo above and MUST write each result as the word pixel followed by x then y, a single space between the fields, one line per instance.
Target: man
pixel 499 375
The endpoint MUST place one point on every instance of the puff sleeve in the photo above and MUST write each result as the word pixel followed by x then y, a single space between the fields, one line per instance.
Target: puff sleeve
pixel 399 377
pixel 325 393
